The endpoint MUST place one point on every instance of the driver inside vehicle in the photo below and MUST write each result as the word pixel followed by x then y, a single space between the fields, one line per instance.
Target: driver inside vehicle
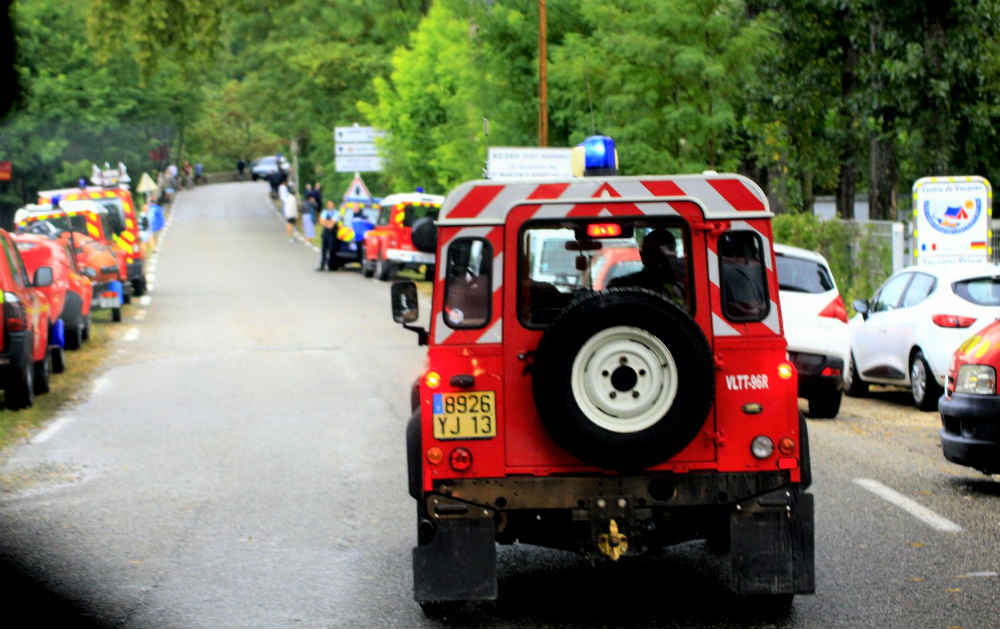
pixel 662 270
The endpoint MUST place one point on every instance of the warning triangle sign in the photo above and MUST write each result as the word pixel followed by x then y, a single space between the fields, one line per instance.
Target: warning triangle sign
pixel 357 190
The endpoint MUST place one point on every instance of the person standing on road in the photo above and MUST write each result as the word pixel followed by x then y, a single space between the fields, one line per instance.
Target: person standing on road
pixel 241 166
pixel 328 220
pixel 290 206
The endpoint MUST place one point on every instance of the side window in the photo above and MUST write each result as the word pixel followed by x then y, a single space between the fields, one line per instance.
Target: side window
pixel 383 215
pixel 468 285
pixel 14 271
pixel 890 293
pixel 743 276
pixel 920 288
pixel 20 272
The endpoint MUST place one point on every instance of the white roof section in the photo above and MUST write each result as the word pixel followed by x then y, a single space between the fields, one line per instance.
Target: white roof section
pixel 721 195
pixel 798 252
pixel 411 197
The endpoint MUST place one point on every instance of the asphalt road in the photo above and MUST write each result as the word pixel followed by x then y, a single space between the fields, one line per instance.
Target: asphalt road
pixel 240 462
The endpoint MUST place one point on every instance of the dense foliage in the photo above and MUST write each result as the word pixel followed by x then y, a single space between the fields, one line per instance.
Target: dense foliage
pixel 808 97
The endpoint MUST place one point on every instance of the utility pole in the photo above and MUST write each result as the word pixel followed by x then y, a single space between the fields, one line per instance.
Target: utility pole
pixel 543 104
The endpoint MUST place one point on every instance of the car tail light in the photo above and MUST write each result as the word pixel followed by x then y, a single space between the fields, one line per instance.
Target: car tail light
pixel 15 317
pixel 830 371
pixel 785 371
pixel 952 321
pixel 460 459
pixel 432 379
pixel 604 230
pixel 835 310
pixel 434 455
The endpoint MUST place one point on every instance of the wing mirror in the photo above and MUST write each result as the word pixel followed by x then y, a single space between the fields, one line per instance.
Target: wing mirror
pixel 43 277
pixel 89 272
pixel 861 306
pixel 405 308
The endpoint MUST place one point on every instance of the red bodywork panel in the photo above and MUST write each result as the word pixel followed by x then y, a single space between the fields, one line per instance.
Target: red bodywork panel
pixel 14 279
pixel 752 397
pixel 41 251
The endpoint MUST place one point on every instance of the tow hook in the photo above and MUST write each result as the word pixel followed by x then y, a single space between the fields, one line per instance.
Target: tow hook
pixel 613 544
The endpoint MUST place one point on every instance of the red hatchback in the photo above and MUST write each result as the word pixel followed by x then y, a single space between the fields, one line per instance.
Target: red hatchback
pixel 25 359
pixel 70 293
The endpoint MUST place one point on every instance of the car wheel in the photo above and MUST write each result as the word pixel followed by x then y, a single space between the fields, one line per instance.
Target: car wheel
pixel 58 359
pixel 439 610
pixel 383 269
pixel 825 405
pixel 85 334
pixel 139 287
pixel 43 371
pixel 20 389
pixel 623 379
pixel 116 314
pixel 367 266
pixel 923 386
pixel 74 336
pixel 856 387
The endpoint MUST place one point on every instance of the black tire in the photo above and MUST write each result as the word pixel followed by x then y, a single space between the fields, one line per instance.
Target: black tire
pixel 805 457
pixel 672 372
pixel 923 387
pixel 116 314
pixel 43 372
pixel 367 267
pixel 424 234
pixel 74 336
pixel 856 387
pixel 825 405
pixel 439 610
pixel 139 287
pixel 85 335
pixel 58 359
pixel 19 391
pixel 384 270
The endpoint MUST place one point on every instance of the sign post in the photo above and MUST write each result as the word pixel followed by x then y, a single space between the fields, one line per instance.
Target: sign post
pixel 951 218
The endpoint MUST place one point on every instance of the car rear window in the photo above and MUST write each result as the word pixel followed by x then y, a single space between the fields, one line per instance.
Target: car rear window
pixel 413 212
pixel 802 276
pixel 982 291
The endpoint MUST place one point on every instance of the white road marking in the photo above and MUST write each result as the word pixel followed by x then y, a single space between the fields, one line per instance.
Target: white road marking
pixel 984 573
pixel 140 315
pixel 99 384
pixel 145 300
pixel 909 505
pixel 132 334
pixel 53 428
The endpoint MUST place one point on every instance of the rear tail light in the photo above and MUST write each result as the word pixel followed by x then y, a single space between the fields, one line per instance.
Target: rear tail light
pixel 785 371
pixel 829 371
pixel 952 321
pixel 786 446
pixel 835 310
pixel 460 459
pixel 432 379
pixel 434 455
pixel 15 317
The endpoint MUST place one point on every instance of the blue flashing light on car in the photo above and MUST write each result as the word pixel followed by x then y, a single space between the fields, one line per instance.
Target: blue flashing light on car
pixel 595 156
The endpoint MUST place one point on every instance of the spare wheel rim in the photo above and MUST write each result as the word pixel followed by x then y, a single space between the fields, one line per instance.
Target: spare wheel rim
pixel 624 379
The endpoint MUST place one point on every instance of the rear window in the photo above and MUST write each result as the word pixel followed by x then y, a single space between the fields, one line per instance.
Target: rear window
pixel 803 276
pixel 744 280
pixel 414 212
pixel 982 291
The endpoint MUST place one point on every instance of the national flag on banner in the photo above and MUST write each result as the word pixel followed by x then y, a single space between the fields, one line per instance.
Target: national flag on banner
pixel 978 245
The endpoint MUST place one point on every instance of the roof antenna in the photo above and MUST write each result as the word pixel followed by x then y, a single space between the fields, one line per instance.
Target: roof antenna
pixel 486 136
pixel 590 103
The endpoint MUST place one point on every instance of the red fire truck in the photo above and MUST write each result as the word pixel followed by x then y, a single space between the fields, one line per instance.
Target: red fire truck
pixel 403 236
pixel 610 420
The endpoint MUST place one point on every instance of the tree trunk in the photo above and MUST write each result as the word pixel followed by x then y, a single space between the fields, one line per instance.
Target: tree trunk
pixel 847 178
pixel 884 174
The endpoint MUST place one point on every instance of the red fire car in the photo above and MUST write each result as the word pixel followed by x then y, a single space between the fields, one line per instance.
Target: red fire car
pixel 970 406
pixel 403 236
pixel 69 294
pixel 614 421
pixel 25 359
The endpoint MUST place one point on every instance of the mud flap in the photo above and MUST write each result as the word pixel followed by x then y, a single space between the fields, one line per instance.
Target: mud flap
pixel 458 564
pixel 772 545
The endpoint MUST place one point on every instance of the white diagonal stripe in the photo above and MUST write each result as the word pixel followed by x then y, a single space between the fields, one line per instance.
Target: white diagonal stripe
pixel 909 505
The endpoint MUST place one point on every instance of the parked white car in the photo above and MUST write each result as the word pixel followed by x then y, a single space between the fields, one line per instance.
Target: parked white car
pixel 907 332
pixel 815 322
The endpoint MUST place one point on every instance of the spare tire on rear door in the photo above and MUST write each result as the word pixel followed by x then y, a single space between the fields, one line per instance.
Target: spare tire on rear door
pixel 424 234
pixel 623 379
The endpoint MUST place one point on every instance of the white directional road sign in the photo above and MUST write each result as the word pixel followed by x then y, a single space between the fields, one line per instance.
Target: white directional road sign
pixel 358 163
pixel 520 162
pixel 356 148
pixel 356 134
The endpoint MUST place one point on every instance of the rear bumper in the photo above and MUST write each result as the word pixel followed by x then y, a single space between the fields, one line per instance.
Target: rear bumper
pixel 408 256
pixel 818 373
pixel 102 301
pixel 970 433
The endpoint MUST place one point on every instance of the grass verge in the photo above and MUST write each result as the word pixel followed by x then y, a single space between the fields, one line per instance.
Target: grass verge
pixel 71 386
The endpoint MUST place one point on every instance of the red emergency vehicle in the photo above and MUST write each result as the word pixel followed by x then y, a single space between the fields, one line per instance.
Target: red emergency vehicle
pixel 403 236
pixel 124 226
pixel 25 359
pixel 970 406
pixel 91 226
pixel 69 294
pixel 609 421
